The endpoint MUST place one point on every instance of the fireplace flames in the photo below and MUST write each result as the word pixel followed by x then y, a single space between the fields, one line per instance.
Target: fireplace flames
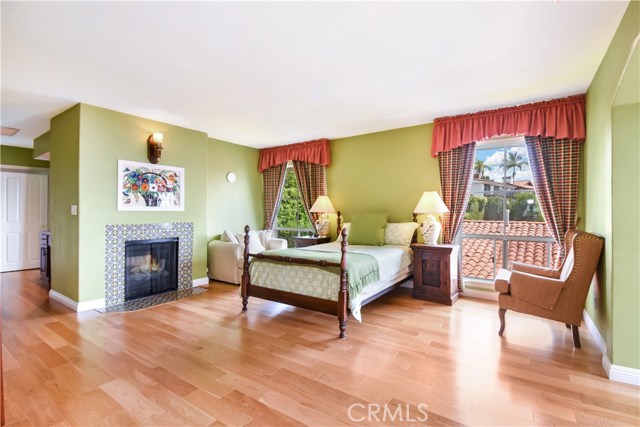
pixel 146 264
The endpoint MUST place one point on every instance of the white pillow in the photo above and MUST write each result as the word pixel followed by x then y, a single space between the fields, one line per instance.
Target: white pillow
pixel 255 246
pixel 399 233
pixel 346 226
pixel 228 236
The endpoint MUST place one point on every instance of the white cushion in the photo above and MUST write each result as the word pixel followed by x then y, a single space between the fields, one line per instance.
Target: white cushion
pixel 265 236
pixel 255 246
pixel 399 233
pixel 228 236
pixel 346 226
pixel 568 266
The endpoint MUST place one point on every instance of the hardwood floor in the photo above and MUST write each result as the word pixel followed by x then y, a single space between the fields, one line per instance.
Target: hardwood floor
pixel 200 361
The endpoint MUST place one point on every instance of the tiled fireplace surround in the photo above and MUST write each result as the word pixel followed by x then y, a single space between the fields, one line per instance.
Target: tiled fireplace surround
pixel 116 235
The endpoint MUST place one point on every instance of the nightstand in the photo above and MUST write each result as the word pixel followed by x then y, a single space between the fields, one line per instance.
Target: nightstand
pixel 435 273
pixel 304 241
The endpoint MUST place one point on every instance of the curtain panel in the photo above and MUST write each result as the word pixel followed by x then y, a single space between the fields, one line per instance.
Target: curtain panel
pixel 273 183
pixel 554 171
pixel 311 184
pixel 317 152
pixel 558 118
pixel 456 172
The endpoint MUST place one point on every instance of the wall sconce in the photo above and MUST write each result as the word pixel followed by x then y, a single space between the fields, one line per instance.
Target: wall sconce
pixel 154 147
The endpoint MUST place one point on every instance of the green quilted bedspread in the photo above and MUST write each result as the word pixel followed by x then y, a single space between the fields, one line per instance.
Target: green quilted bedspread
pixel 362 269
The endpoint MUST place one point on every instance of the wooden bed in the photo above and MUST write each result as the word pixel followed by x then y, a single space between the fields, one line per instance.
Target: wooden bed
pixel 338 308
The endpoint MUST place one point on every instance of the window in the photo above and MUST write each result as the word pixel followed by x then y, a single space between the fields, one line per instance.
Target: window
pixel 292 219
pixel 503 222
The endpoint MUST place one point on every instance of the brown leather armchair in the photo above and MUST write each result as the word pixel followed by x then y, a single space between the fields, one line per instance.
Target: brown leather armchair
pixel 553 293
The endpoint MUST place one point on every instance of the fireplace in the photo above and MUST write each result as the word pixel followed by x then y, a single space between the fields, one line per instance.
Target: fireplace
pixel 151 267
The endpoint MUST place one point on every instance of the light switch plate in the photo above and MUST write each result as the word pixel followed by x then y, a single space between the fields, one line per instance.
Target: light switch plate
pixel 74 209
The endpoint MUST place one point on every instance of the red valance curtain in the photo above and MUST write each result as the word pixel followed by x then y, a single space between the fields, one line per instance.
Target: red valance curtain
pixel 558 118
pixel 316 152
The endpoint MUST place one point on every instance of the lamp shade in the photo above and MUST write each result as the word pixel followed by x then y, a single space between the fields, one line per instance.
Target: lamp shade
pixel 322 205
pixel 430 202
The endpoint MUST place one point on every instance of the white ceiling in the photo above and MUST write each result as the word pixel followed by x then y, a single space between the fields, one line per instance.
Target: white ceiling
pixel 272 73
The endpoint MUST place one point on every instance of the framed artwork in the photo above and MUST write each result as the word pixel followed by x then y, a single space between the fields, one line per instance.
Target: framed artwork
pixel 149 187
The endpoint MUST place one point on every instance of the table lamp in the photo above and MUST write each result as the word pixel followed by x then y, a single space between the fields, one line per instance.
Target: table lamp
pixel 323 206
pixel 430 203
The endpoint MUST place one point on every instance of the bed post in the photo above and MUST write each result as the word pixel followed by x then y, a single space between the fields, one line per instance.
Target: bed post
pixel 244 283
pixel 342 294
pixel 339 222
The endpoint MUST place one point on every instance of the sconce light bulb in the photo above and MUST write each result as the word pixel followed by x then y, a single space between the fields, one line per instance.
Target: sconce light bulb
pixel 158 137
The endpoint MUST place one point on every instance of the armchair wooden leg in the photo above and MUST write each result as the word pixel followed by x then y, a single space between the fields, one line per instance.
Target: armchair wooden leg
pixel 576 336
pixel 567 325
pixel 501 313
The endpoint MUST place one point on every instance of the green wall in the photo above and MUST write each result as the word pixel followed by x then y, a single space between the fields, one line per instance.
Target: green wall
pixel 86 143
pixel 108 136
pixel 63 192
pixel 41 145
pixel 609 315
pixel 18 156
pixel 626 232
pixel 382 172
pixel 233 205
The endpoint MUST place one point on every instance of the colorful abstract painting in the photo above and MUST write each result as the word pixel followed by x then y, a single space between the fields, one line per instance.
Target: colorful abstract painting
pixel 149 187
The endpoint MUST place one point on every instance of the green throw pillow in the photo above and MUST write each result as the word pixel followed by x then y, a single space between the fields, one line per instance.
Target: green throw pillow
pixel 367 229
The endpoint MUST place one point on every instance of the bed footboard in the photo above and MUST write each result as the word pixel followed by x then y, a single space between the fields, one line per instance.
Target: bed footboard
pixel 294 299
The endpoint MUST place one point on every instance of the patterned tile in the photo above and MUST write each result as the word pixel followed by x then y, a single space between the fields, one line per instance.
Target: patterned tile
pixel 115 237
pixel 150 301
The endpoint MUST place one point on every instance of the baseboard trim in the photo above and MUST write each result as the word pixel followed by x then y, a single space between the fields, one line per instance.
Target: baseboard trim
pixel 625 375
pixel 74 305
pixel 91 305
pixel 474 293
pixel 63 299
pixel 201 281
pixel 606 365
pixel 617 373
pixel 595 333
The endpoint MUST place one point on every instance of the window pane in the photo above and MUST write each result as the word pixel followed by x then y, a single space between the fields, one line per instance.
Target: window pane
pixel 525 217
pixel 291 214
pixel 483 227
pixel 503 205
pixel 478 257
pixel 535 253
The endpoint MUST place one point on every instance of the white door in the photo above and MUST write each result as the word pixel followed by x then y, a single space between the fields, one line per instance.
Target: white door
pixel 24 214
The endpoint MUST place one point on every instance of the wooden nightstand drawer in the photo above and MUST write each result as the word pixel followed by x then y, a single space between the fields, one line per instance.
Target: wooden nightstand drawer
pixel 435 275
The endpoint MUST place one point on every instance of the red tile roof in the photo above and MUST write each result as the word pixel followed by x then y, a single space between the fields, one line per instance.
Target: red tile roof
pixel 477 254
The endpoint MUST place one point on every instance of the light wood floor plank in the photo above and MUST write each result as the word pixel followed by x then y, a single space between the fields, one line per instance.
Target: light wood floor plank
pixel 201 361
